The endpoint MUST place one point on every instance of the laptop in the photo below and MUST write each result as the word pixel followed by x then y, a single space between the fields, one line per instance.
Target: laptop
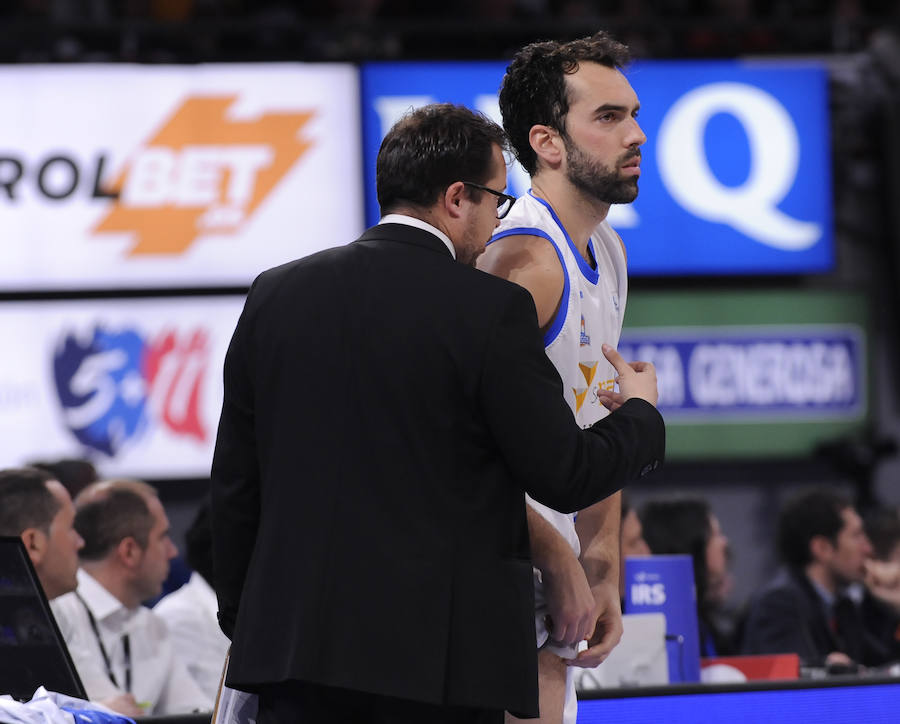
pixel 640 659
pixel 33 653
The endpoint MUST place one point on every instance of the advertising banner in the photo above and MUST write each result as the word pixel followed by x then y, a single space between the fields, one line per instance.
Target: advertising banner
pixel 735 172
pixel 135 385
pixel 753 373
pixel 121 176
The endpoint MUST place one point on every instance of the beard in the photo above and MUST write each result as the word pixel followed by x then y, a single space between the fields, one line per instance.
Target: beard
pixel 596 180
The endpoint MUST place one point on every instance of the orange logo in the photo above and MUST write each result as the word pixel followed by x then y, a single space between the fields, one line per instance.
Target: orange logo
pixel 202 173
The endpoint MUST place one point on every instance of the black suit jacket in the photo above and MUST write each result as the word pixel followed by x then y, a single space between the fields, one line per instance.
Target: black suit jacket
pixel 788 616
pixel 385 408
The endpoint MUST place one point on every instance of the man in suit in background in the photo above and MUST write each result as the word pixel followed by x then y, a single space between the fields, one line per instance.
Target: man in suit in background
pixel 818 607
pixel 385 409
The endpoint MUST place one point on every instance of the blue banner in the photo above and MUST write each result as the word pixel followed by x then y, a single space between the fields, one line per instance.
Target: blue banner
pixel 809 372
pixel 721 188
pixel 665 584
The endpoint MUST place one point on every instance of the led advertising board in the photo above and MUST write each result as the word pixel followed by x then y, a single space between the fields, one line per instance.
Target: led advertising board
pixel 135 385
pixel 735 172
pixel 120 176
pixel 830 701
pixel 760 374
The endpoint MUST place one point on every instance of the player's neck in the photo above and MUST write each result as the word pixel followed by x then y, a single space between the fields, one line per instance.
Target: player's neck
pixel 578 213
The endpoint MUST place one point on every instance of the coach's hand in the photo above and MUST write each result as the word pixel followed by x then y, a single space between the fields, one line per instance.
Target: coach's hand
pixel 635 379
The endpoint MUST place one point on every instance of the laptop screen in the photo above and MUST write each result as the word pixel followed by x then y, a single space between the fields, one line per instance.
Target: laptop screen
pixel 32 650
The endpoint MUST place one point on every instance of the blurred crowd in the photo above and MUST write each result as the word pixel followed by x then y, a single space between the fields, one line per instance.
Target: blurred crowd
pixel 139 617
pixel 221 30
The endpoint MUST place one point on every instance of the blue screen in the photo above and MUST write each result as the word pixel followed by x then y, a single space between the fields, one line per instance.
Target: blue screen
pixel 872 704
pixel 735 172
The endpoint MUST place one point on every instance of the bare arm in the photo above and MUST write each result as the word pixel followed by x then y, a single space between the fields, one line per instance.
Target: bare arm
pixel 598 532
pixel 530 262
pixel 569 597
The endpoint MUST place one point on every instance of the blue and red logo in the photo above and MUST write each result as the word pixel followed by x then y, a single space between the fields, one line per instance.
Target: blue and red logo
pixel 116 385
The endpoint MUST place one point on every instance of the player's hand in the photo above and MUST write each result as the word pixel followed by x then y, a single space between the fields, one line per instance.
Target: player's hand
pixel 610 399
pixel 608 630
pixel 635 379
pixel 570 601
pixel 124 704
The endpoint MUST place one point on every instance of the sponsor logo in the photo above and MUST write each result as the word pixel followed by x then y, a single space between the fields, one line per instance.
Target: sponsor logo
pixel 648 594
pixel 203 172
pixel 115 385
pixel 585 337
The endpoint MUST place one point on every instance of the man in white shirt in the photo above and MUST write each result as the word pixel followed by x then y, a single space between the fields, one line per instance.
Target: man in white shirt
pixel 119 647
pixel 190 612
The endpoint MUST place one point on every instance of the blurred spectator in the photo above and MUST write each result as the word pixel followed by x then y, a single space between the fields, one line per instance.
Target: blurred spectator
pixel 816 607
pixel 38 509
pixel 881 604
pixel 631 539
pixel 190 612
pixel 123 651
pixel 688 526
pixel 883 529
pixel 75 474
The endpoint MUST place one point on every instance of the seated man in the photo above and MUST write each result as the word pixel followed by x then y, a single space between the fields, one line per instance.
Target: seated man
pixel 814 608
pixel 118 646
pixel 38 509
pixel 190 612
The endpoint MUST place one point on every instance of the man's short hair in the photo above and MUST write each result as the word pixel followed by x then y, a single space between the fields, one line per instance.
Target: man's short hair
pixel 26 501
pixel 534 90
pixel 431 148
pixel 810 514
pixel 110 511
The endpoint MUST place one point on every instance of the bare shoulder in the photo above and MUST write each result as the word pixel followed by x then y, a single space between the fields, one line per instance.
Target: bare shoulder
pixel 531 262
pixel 622 244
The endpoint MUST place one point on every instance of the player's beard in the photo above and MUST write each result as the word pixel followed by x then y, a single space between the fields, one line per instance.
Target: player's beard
pixel 596 180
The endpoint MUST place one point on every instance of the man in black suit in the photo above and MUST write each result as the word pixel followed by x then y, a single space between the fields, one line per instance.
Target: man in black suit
pixel 817 607
pixel 385 409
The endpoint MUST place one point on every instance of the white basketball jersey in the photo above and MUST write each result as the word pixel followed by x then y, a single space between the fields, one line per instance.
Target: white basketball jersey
pixel 591 311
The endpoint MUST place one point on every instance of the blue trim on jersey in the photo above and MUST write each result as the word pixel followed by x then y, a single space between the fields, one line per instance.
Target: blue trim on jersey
pixel 591 275
pixel 563 310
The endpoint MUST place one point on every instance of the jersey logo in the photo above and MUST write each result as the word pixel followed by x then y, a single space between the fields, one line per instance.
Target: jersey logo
pixel 580 395
pixel 585 339
pixel 588 369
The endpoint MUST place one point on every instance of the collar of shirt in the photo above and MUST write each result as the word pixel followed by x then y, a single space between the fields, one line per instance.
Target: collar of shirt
pixel 419 224
pixel 107 609
pixel 828 598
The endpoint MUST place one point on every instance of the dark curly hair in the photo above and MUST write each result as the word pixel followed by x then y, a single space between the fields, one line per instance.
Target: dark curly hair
pixel 534 88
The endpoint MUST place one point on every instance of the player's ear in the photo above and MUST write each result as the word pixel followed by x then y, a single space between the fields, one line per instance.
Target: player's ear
pixel 547 144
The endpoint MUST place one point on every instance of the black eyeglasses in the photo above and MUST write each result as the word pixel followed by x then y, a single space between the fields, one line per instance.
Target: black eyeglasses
pixel 504 201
